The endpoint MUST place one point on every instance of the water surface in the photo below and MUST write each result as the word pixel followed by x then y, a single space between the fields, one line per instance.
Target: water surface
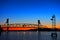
pixel 28 35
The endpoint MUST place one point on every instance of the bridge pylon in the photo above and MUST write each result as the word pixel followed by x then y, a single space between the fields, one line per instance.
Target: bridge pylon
pixel 39 24
pixel 7 22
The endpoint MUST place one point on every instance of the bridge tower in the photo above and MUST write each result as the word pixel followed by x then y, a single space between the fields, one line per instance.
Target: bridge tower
pixel 39 24
pixel 7 22
pixel 53 19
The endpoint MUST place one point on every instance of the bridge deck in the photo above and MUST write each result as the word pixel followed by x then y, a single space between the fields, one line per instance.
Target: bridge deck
pixel 19 28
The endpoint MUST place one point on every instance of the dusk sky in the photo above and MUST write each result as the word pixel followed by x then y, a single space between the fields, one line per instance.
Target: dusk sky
pixel 29 11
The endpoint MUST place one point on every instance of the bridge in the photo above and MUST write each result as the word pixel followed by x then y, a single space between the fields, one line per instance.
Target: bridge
pixel 21 26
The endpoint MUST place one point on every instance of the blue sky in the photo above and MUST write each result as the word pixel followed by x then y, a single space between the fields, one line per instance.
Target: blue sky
pixel 29 11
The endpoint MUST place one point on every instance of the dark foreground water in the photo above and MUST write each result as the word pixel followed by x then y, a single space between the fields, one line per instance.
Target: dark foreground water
pixel 28 35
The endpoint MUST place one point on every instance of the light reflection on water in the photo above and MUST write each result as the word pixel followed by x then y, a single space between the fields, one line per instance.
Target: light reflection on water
pixel 28 35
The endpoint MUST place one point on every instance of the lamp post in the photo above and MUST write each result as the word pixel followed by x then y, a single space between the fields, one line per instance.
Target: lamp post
pixel 53 19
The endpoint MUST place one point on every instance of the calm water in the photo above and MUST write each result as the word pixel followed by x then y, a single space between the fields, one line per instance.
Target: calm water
pixel 28 35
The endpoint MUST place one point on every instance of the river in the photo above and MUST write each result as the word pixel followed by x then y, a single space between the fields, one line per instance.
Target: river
pixel 28 35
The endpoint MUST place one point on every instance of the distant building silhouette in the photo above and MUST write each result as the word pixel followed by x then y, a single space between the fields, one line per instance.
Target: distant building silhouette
pixel 0 28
